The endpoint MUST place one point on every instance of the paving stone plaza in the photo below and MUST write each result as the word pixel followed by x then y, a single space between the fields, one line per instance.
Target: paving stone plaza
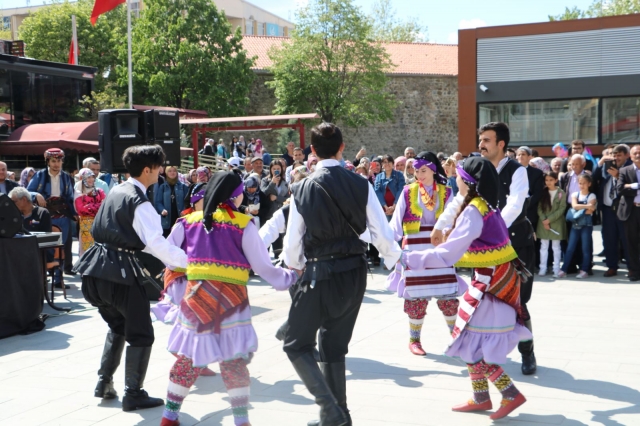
pixel 587 336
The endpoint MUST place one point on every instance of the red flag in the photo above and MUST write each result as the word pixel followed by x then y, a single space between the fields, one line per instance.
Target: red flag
pixel 72 59
pixel 103 6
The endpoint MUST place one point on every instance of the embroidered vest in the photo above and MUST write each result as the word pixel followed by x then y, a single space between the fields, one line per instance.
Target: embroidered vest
pixel 413 212
pixel 216 255
pixel 493 246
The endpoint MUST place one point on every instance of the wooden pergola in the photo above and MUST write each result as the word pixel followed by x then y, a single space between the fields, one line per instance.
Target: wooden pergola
pixel 244 125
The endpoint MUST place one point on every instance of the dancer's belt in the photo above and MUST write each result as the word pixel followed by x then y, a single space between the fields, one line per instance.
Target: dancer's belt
pixel 314 260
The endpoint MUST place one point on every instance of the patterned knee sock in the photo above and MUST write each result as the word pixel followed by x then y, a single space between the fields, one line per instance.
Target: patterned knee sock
pixel 503 382
pixel 449 309
pixel 235 376
pixel 416 309
pixel 479 384
pixel 182 376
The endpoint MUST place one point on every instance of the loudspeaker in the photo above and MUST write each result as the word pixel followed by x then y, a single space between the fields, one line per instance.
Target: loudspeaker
pixel 163 128
pixel 118 129
pixel 10 217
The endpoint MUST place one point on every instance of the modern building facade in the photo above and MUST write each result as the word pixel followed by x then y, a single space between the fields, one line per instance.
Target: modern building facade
pixel 251 19
pixel 552 82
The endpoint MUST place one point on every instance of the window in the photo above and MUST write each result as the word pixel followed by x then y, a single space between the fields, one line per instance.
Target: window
pixel 248 28
pixel 260 28
pixel 621 120
pixel 545 123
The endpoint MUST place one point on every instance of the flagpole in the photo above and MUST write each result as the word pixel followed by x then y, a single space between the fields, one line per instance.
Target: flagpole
pixel 129 54
pixel 74 37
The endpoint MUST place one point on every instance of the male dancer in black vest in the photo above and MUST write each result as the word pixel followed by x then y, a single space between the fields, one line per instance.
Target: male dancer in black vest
pixel 330 210
pixel 513 203
pixel 112 278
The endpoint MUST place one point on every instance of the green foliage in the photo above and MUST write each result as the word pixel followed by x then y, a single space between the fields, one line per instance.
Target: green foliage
pixel 285 136
pixel 387 27
pixel 47 35
pixel 331 66
pixel 186 56
pixel 600 8
pixel 109 98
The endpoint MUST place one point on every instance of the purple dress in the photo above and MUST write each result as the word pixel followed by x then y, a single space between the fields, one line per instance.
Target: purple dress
pixel 492 332
pixel 237 337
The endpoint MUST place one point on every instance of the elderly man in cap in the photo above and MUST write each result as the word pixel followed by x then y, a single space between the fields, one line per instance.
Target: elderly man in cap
pixel 258 167
pixel 53 189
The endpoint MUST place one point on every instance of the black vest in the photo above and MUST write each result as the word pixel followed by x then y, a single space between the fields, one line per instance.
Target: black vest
pixel 113 225
pixel 521 230
pixel 335 218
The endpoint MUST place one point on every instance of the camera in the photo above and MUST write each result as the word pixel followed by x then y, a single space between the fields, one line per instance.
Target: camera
pixel 276 172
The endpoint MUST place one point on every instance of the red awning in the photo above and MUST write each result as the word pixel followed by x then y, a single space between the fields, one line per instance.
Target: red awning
pixel 35 139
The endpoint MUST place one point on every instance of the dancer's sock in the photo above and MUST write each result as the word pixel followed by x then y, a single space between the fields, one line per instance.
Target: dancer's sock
pixel 503 382
pixel 182 376
pixel 479 384
pixel 416 310
pixel 415 329
pixel 235 376
pixel 449 309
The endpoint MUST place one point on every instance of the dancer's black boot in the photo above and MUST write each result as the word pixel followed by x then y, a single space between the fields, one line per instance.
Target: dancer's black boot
pixel 334 374
pixel 330 413
pixel 529 365
pixel 136 363
pixel 111 355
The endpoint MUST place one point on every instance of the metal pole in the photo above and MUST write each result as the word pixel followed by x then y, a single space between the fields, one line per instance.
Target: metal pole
pixel 129 54
pixel 74 37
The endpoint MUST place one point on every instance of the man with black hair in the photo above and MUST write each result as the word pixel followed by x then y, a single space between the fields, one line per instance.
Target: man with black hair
pixel 329 212
pixel 513 204
pixel 112 277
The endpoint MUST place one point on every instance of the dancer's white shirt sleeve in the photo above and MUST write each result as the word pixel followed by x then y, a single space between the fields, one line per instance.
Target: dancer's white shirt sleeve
pixel 449 214
pixel 293 249
pixel 518 192
pixel 270 231
pixel 146 223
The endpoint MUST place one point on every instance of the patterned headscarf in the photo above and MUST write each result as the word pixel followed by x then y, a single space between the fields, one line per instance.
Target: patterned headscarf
pixel 539 163
pixel 25 175
pixel 202 172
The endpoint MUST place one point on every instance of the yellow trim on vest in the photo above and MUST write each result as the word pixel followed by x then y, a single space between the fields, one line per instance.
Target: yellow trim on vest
pixel 241 220
pixel 413 227
pixel 481 205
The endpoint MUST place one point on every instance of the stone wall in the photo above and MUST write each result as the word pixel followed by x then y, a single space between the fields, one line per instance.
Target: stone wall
pixel 426 118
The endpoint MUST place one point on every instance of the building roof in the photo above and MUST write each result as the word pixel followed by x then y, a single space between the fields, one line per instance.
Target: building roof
pixel 410 58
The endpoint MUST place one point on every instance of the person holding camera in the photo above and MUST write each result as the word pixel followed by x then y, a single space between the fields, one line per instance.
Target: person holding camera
pixel 606 178
pixel 275 187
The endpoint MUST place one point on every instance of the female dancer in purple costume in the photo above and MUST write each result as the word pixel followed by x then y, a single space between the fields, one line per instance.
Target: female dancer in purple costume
pixel 417 210
pixel 214 322
pixel 488 325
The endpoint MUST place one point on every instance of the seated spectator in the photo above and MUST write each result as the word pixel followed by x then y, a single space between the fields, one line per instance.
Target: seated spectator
pixel 275 187
pixel 388 186
pixel 255 202
pixel 409 172
pixel 169 199
pixel 26 175
pixel 6 185
pixel 400 163
pixel 34 218
pixel 87 200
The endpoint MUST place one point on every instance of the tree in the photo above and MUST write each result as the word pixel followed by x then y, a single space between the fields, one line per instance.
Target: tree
pixel 109 98
pixel 185 55
pixel 331 66
pixel 387 27
pixel 600 8
pixel 47 36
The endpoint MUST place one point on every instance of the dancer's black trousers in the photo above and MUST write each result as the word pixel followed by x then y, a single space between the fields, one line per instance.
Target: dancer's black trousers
pixel 332 308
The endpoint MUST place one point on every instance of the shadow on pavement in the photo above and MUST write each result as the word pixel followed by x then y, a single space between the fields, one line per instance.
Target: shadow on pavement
pixel 559 379
pixel 367 369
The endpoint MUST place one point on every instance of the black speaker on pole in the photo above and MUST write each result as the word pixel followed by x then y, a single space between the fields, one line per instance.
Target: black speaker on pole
pixel 118 129
pixel 163 128
pixel 10 217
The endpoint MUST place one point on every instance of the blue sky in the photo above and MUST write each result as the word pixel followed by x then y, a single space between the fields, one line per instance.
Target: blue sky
pixel 443 18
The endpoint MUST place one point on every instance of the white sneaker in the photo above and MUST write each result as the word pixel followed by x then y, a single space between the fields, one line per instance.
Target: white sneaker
pixel 560 274
pixel 542 272
pixel 582 274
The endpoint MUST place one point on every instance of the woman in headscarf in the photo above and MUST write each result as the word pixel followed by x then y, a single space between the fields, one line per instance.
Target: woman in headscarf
pixel 26 175
pixel 255 202
pixel 489 323
pixel 409 172
pixel 539 163
pixel 418 208
pixel 214 322
pixel 203 174
pixel 87 200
